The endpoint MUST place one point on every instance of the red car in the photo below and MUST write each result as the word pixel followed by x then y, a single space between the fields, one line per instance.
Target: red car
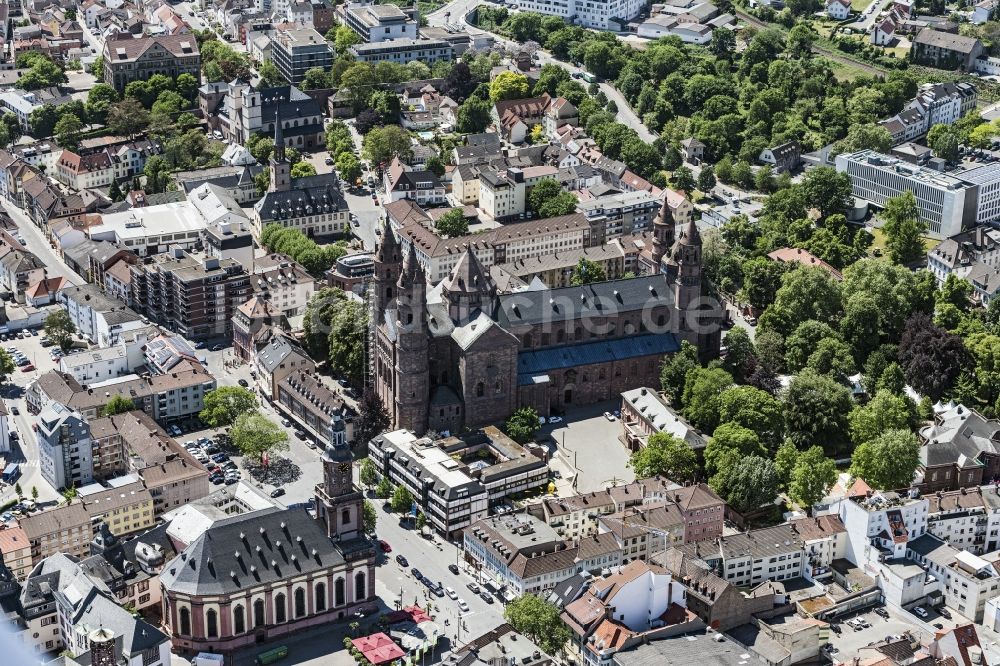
pixel 28 368
pixel 384 545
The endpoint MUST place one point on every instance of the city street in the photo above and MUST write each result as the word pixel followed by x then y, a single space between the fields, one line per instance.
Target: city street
pixel 37 244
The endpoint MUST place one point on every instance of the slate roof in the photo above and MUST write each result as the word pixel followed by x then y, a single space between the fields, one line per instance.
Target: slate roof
pixel 587 353
pixel 320 192
pixel 591 300
pixel 958 436
pixel 226 559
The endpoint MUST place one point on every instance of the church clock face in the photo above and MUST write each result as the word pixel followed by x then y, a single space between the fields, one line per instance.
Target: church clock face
pixel 345 467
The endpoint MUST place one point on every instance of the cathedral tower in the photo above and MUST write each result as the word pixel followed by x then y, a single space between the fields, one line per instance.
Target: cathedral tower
pixel 411 373
pixel 663 235
pixel 469 288
pixel 388 265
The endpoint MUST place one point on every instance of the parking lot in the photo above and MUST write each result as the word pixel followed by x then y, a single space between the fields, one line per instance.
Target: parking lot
pixel 588 442
pixel 849 642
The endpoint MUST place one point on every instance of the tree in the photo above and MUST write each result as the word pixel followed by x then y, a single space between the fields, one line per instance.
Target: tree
pixel 543 190
pixel 225 403
pixel 811 477
pixel 706 179
pixel 865 136
pixel 34 493
pixel 303 169
pixel 803 341
pixel 954 291
pixel 6 364
pixel 459 82
pixel 539 620
pixel 59 328
pixel 832 357
pixel 805 293
pixel 666 455
pixel 269 75
pixel 42 73
pixel 17 490
pixel 675 369
pixel 754 409
pixel 702 389
pixel 903 229
pixel 931 357
pixel 587 271
pixel 473 115
pixel 763 180
pixel 785 460
pixel 421 521
pixel 346 341
pixel 435 166
pixel 827 190
pixel 369 519
pixel 402 500
pixel 728 444
pixel 453 223
pixel 683 179
pixel 384 143
pixel 348 166
pixel 256 436
pixel 368 474
pixel 344 39
pixel 168 103
pixel 315 78
pixel 373 419
pixel 945 145
pixel 522 425
pixel 749 484
pixel 563 203
pixel 384 488
pixel 127 118
pixel 888 461
pixel 99 100
pixel 508 85
pixel 68 131
pixel 884 412
pixel 118 404
pixel 761 281
pixel 816 409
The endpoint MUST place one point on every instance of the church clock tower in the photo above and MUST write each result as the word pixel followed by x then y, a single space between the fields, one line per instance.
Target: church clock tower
pixel 338 500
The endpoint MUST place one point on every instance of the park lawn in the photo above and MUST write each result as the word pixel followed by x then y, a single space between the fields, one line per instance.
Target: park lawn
pixel 879 240
pixel 859 5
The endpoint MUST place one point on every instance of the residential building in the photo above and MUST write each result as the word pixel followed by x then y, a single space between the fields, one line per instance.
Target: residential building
pixel 644 412
pixel 699 648
pixel 404 50
pixel 230 241
pixel 945 50
pixel 824 539
pixel 556 270
pixel 152 230
pixel 203 611
pixel 283 282
pixel 638 604
pixel 65 604
pixel 128 58
pixel 621 213
pixel 277 359
pixel 317 408
pixel 165 398
pixel 193 295
pixel 692 150
pixel 758 556
pixel 796 255
pixel 838 10
pixel 965 580
pixel 238 180
pixel 352 272
pixel 784 157
pixel 65 453
pixel 297 50
pixel 959 450
pixel 102 363
pixel 98 317
pixel 973 255
pixel 509 243
pixel 378 23
pixel 125 508
pixel 967 519
pixel 499 644
pixel 945 202
pixel 604 15
pixel 421 186
pixel 64 529
pixel 15 551
pixel 502 193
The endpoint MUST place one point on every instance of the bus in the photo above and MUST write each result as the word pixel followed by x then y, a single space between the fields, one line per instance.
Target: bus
pixel 272 656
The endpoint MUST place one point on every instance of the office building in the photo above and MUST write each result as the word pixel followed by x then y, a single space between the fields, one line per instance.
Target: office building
pixel 297 50
pixel 65 454
pixel 128 58
pixel 404 50
pixel 599 15
pixel 947 203
pixel 622 213
pixel 378 23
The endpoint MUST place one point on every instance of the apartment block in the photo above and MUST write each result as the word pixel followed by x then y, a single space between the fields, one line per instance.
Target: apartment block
pixel 622 213
pixel 193 295
pixel 378 23
pixel 125 508
pixel 404 50
pixel 65 453
pixel 598 15
pixel 317 408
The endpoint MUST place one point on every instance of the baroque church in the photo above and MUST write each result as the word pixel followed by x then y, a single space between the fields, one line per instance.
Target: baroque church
pixel 459 355
pixel 256 577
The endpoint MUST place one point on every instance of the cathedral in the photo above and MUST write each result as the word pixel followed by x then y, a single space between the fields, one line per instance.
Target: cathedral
pixel 259 577
pixel 459 355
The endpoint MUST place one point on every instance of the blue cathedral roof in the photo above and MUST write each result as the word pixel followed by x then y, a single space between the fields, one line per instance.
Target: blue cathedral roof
pixel 531 362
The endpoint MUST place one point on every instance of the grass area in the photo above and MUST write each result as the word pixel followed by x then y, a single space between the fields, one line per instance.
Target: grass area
pixel 844 72
pixel 879 242
pixel 859 5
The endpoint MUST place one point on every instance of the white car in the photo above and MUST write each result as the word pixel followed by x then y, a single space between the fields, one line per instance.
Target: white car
pixel 555 419
pixel 462 606
pixel 286 423
pixel 919 611
pixel 609 416
pixel 452 594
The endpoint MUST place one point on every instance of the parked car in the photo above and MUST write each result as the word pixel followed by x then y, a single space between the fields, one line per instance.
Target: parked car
pixel 243 383
pixel 401 561
pixel 462 606
pixel 277 492
pixel 485 596
pixel 311 444
pixel 473 588
pixel 555 419
pixel 882 612
pixel 14 410
pixel 453 568
pixel 286 423
pixel 920 612
pixel 943 612
pixel 416 573
pixel 217 348
pixel 28 368
pixel 300 434
pixel 609 416
pixel 384 545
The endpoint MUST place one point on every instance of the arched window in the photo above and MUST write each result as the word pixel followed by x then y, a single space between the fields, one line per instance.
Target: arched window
pixel 320 597
pixel 258 613
pixel 480 389
pixel 212 623
pixel 239 623
pixel 345 516
pixel 279 608
pixel 338 593
pixel 300 602
pixel 360 591
pixel 185 622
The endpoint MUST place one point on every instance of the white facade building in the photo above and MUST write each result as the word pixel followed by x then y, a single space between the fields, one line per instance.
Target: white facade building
pixel 596 14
